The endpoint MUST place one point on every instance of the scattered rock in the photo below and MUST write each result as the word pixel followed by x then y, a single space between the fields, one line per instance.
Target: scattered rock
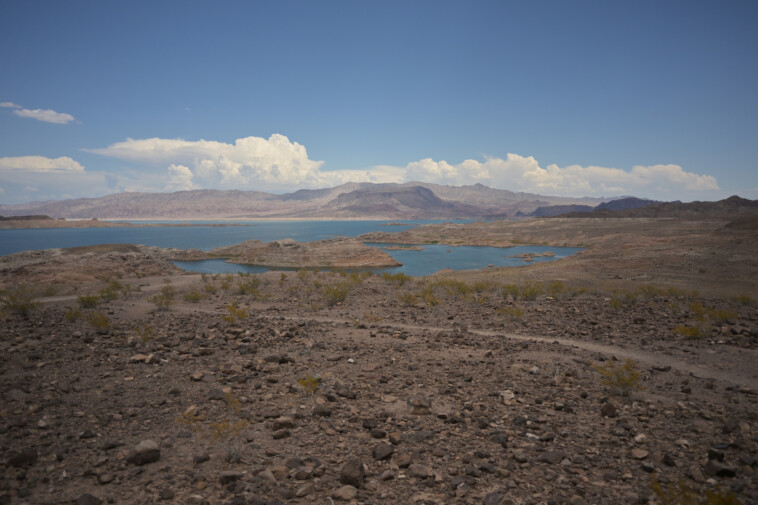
pixel 639 453
pixel 145 452
pixel 24 458
pixel 419 471
pixel 551 457
pixel 88 499
pixel 352 472
pixel 608 410
pixel 228 476
pixel 345 493
pixel 420 406
pixel 382 451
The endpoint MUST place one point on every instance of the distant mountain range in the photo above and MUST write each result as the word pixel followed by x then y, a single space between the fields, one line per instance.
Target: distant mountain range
pixel 625 203
pixel 732 207
pixel 413 200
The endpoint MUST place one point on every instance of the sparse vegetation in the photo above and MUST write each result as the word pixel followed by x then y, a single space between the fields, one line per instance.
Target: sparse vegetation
pixel 111 291
pixel 454 287
pixel 226 282
pixel 72 314
pixel 408 299
pixel 99 322
pixel 235 313
pixel 145 333
pixel 194 296
pixel 620 378
pixel 691 331
pixel 621 298
pixel 231 426
pixel 164 299
pixel 399 278
pixel 427 294
pixel 511 311
pixel 529 291
pixel 89 301
pixel 681 494
pixel 746 300
pixel 249 286
pixel 19 301
pixel 310 384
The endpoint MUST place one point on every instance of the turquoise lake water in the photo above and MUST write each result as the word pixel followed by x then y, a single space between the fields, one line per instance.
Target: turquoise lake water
pixel 416 263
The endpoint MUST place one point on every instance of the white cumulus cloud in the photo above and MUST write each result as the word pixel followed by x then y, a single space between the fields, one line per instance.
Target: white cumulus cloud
pixel 180 178
pixel 27 178
pixel 272 164
pixel 46 115
pixel 524 173
pixel 279 164
pixel 40 164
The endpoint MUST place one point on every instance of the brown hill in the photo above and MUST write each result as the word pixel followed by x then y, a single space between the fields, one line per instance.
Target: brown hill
pixel 731 207
pixel 386 201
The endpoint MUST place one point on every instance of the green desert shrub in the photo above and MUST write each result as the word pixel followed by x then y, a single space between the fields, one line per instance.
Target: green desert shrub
pixel 99 322
pixel 89 301
pixel 249 286
pixel 337 292
pixel 193 296
pixel 427 294
pixel 72 314
pixel 399 278
pixel 621 298
pixel 555 288
pixel 746 300
pixel 530 291
pixel 234 313
pixel 20 301
pixel 620 378
pixel 145 333
pixel 226 282
pixel 164 299
pixel 511 311
pixel 691 331
pixel 511 290
pixel 454 287
pixel 681 494
pixel 408 299
pixel 310 384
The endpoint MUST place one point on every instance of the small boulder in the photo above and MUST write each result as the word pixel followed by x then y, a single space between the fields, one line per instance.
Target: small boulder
pixel 608 410
pixel 345 493
pixel 145 452
pixel 352 473
pixel 419 471
pixel 382 451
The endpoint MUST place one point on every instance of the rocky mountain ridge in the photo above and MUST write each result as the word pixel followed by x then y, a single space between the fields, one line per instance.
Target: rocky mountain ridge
pixel 732 207
pixel 413 200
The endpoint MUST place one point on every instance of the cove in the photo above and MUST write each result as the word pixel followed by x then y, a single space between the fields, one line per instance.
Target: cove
pixel 417 263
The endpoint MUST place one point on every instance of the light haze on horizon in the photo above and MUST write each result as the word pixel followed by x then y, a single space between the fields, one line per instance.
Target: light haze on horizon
pixel 651 99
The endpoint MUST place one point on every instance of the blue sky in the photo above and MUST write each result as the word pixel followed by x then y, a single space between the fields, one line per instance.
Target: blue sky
pixel 654 99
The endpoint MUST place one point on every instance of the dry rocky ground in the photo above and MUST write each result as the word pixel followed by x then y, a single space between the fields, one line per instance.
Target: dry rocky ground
pixel 321 388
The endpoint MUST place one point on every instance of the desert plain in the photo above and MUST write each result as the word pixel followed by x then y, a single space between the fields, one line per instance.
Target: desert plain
pixel 624 374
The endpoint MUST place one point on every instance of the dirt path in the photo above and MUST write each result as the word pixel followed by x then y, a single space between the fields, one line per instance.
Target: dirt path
pixel 739 359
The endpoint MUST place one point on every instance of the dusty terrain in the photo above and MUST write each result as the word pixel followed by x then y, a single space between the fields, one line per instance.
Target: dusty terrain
pixel 470 388
pixel 329 253
pixel 714 256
